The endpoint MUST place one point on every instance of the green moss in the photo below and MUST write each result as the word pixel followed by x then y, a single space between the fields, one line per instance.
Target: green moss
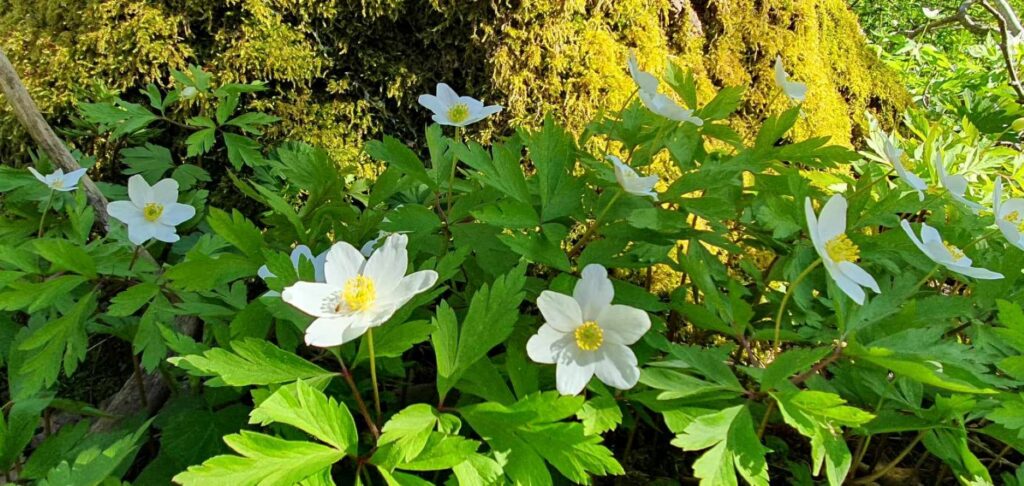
pixel 343 71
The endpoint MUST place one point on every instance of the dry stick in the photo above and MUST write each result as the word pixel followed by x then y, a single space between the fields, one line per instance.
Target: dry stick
pixel 1006 21
pixel 127 401
pixel 892 464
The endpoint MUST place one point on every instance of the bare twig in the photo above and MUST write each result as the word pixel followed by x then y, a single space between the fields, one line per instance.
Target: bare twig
pixel 960 18
pixel 1006 26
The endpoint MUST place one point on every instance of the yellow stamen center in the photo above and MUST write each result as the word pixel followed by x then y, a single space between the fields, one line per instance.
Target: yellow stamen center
pixel 1012 217
pixel 152 211
pixel 359 293
pixel 841 249
pixel 57 184
pixel 589 336
pixel 458 113
pixel 955 251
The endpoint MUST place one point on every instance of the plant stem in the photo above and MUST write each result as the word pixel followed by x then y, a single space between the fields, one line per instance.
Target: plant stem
pixel 138 381
pixel 360 404
pixel 135 257
pixel 764 421
pixel 451 176
pixel 42 217
pixel 785 300
pixel 924 279
pixel 981 238
pixel 871 184
pixel 578 247
pixel 373 373
pixel 895 462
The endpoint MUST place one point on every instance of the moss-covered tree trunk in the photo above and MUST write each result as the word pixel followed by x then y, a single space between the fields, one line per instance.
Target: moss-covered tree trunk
pixel 342 71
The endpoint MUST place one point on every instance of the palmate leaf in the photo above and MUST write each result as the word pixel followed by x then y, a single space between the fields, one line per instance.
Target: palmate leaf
pixel 94 465
pixel 264 461
pixel 532 433
pixel 250 362
pixel 819 416
pixel 306 408
pixel 40 353
pixel 734 446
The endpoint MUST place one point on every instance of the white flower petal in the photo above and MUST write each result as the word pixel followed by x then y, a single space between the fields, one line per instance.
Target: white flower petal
pixel 812 227
pixel 318 266
pixel 326 332
pixel 618 368
pixel 545 346
pixel 848 286
pixel 594 291
pixel 71 179
pixel 560 311
pixel 342 263
pixel 410 286
pixel 140 233
pixel 388 264
pixel 125 212
pixel 177 213
pixel 447 95
pixel 310 297
pixel 432 103
pixel 623 324
pixel 913 237
pixel 139 191
pixel 264 273
pixel 164 233
pixel 572 376
pixel 832 220
pixel 39 176
pixel 859 276
pixel 165 192
pixel 974 272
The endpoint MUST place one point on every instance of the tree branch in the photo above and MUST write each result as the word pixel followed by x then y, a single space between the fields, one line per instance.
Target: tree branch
pixel 961 18
pixel 1007 22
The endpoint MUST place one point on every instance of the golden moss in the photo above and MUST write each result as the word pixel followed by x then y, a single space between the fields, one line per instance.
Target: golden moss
pixel 344 71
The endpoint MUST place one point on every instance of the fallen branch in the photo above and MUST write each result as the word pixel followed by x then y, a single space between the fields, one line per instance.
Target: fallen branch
pixel 961 18
pixel 129 400
pixel 1007 23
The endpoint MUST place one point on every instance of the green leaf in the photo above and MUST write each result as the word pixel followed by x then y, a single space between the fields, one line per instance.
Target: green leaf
pixel 243 150
pixel 724 104
pixel 392 340
pixel 532 433
pixel 599 415
pixel 238 231
pixel 152 161
pixel 250 362
pixel 553 152
pixel 682 82
pixel 252 121
pixel 405 435
pixel 201 142
pixel 17 430
pixel 818 416
pixel 94 465
pixel 492 314
pixel 202 272
pixel 132 299
pixel 264 461
pixel 396 154
pixel 790 363
pixel 119 118
pixel 733 443
pixel 33 296
pixel 306 408
pixel 41 352
pixel 65 255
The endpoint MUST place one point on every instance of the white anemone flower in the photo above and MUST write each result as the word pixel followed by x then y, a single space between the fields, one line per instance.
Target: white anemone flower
pixel 358 293
pixel 945 253
pixel 632 182
pixel 837 252
pixel 647 89
pixel 586 335
pixel 458 111
pixel 895 156
pixel 956 184
pixel 298 254
pixel 58 180
pixel 1009 216
pixel 151 211
pixel 795 90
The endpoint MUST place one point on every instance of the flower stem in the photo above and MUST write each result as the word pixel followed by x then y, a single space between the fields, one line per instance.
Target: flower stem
pixel 924 279
pixel 981 238
pixel 373 372
pixel 360 404
pixel 451 176
pixel 578 247
pixel 785 300
pixel 42 217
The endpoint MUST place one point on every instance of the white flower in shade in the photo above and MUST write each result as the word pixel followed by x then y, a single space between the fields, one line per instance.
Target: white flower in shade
pixel 647 89
pixel 796 91
pixel 458 111
pixel 956 184
pixel 586 335
pixel 931 13
pixel 837 252
pixel 151 211
pixel 631 182
pixel 298 254
pixel 1009 216
pixel 895 156
pixel 946 254
pixel 58 180
pixel 358 293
